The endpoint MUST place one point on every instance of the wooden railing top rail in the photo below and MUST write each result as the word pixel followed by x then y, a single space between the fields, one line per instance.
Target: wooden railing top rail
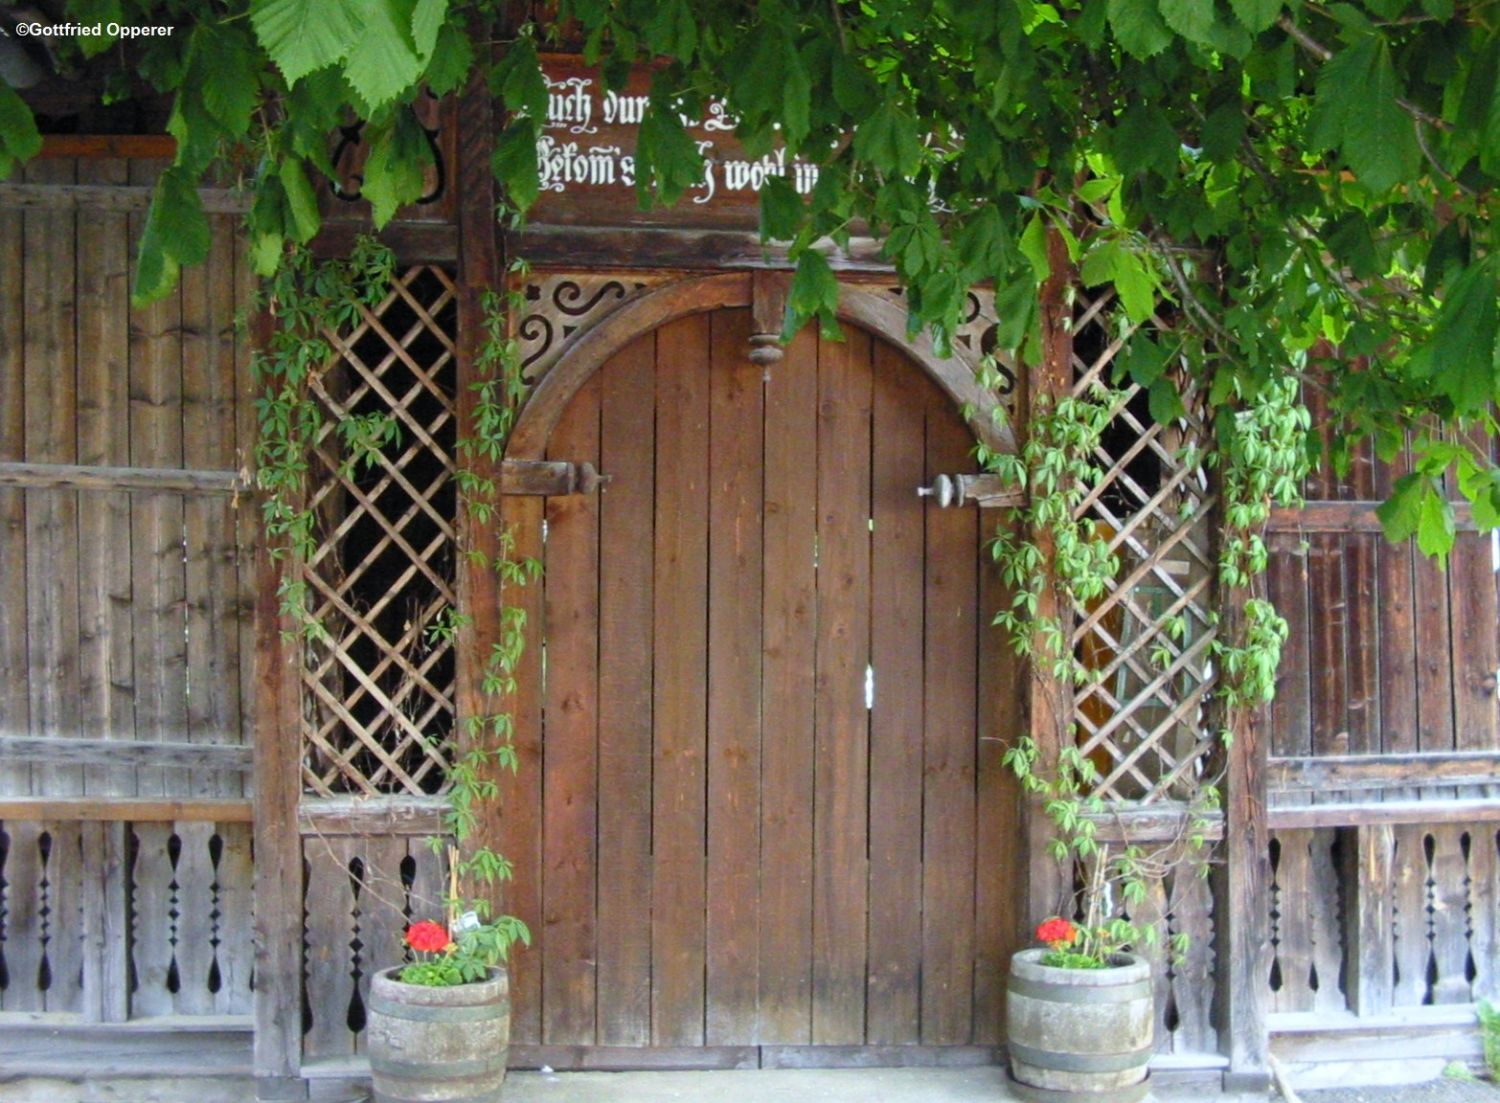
pixel 126 752
pixel 1383 771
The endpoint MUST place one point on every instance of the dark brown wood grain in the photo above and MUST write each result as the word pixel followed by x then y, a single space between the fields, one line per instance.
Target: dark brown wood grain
pixel 681 644
pixel 570 743
pixel 1369 936
pixel 841 782
pixel 896 653
pixel 789 623
pixel 1395 614
pixel 951 615
pixel 627 448
pixel 735 496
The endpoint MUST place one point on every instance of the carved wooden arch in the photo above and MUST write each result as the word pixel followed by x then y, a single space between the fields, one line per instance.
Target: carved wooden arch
pixel 882 317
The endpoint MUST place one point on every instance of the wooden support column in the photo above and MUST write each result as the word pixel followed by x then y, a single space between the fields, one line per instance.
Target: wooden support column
pixel 1049 701
pixel 1242 878
pixel 277 763
pixel 1369 934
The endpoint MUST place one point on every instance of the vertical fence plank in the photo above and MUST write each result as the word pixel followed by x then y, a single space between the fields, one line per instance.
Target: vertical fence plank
pixel 1398 643
pixel 51 434
pixel 626 452
pixel 235 952
pixel 23 939
pixel 329 907
pixel 1322 902
pixel 208 409
pixel 677 950
pixel 195 923
pixel 896 655
pixel 1369 934
pixel 1363 673
pixel 159 583
pixel 1450 919
pixel 1294 936
pixel 154 933
pixel 570 744
pixel 1409 914
pixel 1484 890
pixel 948 773
pixel 841 781
pixel 15 678
pixel 789 621
pixel 735 479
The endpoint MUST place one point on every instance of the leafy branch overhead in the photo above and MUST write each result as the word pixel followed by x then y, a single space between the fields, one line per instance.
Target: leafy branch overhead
pixel 1299 189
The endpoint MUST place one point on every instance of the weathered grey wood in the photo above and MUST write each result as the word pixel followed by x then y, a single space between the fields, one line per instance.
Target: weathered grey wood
pixel 278 846
pixel 125 809
pixel 1393 812
pixel 108 197
pixel 236 875
pixel 1153 823
pixel 1331 515
pixel 218 1046
pixel 118 752
pixel 154 899
pixel 73 476
pixel 397 815
pixel 1383 771
pixel 1369 934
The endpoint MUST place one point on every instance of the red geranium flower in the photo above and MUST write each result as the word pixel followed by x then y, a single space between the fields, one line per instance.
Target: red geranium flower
pixel 427 936
pixel 1056 932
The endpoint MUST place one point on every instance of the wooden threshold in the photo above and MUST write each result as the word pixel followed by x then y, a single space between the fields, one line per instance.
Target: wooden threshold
pixel 1448 1031
pixel 126 809
pixel 149 1049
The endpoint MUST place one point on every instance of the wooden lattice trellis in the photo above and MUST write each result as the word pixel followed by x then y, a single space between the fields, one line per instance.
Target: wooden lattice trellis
pixel 378 690
pixel 1149 637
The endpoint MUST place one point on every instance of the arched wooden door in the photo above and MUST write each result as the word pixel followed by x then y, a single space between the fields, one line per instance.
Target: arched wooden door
pixel 769 813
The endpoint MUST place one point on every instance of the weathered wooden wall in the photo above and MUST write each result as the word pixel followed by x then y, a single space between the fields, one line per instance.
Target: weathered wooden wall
pixel 124 640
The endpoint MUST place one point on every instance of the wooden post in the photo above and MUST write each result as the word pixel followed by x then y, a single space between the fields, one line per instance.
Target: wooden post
pixel 1242 879
pixel 1369 934
pixel 1048 699
pixel 278 842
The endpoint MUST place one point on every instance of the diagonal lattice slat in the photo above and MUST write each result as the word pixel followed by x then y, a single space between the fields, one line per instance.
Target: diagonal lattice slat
pixel 378 688
pixel 1148 639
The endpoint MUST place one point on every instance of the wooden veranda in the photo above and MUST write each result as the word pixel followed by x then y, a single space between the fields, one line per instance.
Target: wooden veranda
pixel 760 818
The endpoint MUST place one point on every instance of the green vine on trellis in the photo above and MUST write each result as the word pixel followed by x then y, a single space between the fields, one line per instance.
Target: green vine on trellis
pixel 1262 456
pixel 308 299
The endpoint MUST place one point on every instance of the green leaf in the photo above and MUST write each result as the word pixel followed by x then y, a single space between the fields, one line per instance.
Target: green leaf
pixel 781 210
pixel 888 139
pixel 1435 527
pixel 19 138
pixel 814 293
pixel 1356 111
pixel 301 36
pixel 852 88
pixel 301 200
pixel 1144 361
pixel 1256 15
pixel 94 12
pixel 667 160
pixel 452 58
pixel 1193 19
pixel 176 233
pixel 1034 248
pixel 1165 401
pixel 1145 140
pixel 519 81
pixel 515 163
pixel 1401 513
pixel 396 167
pixel 383 61
pixel 672 30
pixel 1479 106
pixel 226 68
pixel 1223 131
pixel 1139 27
pixel 796 99
pixel 427 20
pixel 1461 355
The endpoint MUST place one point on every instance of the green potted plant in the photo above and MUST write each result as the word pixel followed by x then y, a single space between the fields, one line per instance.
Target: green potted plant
pixel 439 1026
pixel 1080 1017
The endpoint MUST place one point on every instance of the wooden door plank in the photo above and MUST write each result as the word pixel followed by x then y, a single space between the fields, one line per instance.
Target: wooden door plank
pixel 680 644
pixel 381 918
pixel 1450 943
pixel 105 662
pixel 513 824
pixel 15 680
pixel 570 739
pixel 66 886
pixel 735 466
pixel 1321 902
pixel 1000 926
pixel 1409 914
pixel 841 785
pixel 627 450
pixel 1363 674
pixel 159 581
pixel 787 691
pixel 1398 647
pixel 948 790
pixel 1476 645
pixel 51 398
pixel 23 928
pixel 1484 889
pixel 208 414
pixel 1294 935
pixel 899 466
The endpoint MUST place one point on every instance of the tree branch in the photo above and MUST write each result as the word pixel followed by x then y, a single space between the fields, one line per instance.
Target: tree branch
pixel 1323 53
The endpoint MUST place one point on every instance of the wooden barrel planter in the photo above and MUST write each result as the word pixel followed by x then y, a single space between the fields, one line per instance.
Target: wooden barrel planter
pixel 1079 1035
pixel 438 1045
